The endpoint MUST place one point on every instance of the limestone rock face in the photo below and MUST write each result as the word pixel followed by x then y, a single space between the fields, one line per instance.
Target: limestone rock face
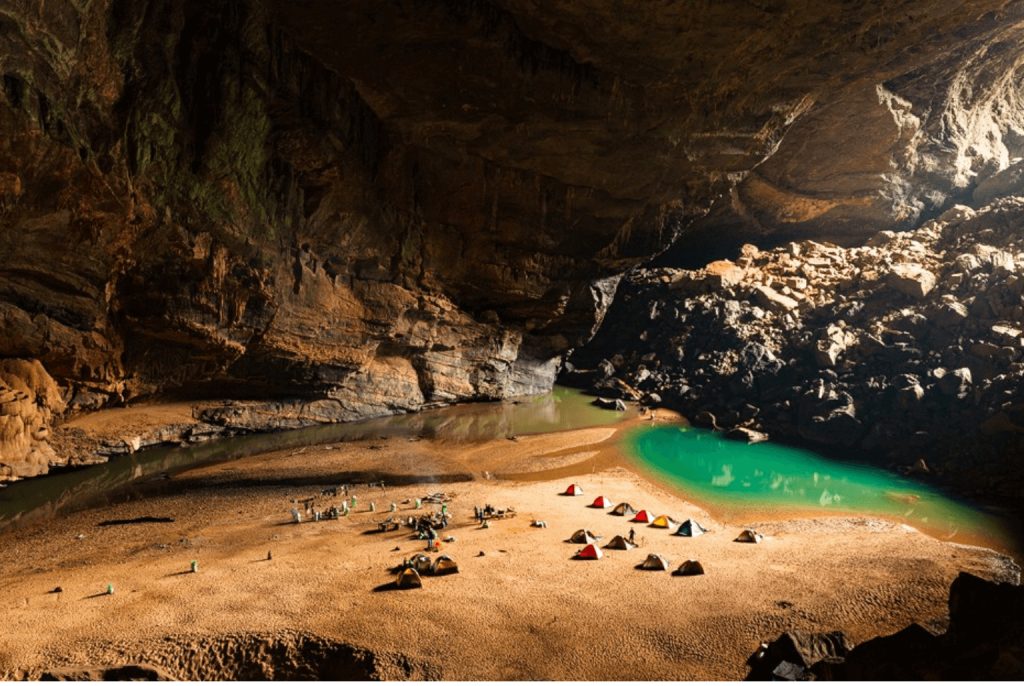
pixel 900 349
pixel 29 399
pixel 356 208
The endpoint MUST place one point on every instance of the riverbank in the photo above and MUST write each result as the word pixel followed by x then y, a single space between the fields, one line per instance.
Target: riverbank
pixel 522 610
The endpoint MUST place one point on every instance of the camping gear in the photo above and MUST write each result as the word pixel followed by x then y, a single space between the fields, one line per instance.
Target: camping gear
pixel 663 522
pixel 623 510
pixel 644 517
pixel 601 502
pixel 749 536
pixel 573 489
pixel 409 578
pixel 689 568
pixel 620 543
pixel 655 562
pixel 590 552
pixel 444 565
pixel 583 536
pixel 421 563
pixel 690 528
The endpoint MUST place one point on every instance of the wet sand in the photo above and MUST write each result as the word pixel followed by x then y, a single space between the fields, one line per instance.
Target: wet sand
pixel 523 610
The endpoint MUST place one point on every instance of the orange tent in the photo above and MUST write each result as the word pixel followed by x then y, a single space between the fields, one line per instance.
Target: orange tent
pixel 644 517
pixel 601 502
pixel 590 552
pixel 573 490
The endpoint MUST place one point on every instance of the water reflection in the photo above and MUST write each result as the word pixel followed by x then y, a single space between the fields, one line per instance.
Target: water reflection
pixel 561 409
pixel 765 476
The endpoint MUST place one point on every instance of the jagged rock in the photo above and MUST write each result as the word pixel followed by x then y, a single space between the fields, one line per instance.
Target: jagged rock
pixel 1006 334
pixel 797 648
pixel 332 224
pixel 912 280
pixel 773 300
pixel 706 419
pixel 610 404
pixel 956 383
pixel 746 434
pixel 984 640
pixel 852 365
pixel 833 342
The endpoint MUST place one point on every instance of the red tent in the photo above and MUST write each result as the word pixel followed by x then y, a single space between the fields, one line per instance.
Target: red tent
pixel 644 517
pixel 591 552
pixel 573 490
pixel 601 501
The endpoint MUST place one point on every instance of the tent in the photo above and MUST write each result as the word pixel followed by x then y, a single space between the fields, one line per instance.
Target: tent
pixel 421 563
pixel 749 536
pixel 591 552
pixel 583 536
pixel 663 522
pixel 644 517
pixel 689 568
pixel 656 562
pixel 620 543
pixel 444 565
pixel 573 489
pixel 690 528
pixel 623 510
pixel 601 502
pixel 409 578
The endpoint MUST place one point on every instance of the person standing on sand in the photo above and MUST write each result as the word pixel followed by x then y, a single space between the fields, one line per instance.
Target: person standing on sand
pixel 632 535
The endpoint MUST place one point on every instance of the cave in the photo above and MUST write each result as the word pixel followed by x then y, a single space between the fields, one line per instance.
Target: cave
pixel 343 243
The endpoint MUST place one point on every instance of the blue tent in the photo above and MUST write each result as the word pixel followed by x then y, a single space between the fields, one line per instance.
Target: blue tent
pixel 690 528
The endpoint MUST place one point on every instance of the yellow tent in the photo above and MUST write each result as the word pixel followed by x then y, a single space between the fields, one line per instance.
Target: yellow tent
pixel 663 522
pixel 408 578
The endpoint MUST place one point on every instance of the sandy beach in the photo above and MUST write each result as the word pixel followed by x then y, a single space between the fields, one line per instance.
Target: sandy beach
pixel 523 609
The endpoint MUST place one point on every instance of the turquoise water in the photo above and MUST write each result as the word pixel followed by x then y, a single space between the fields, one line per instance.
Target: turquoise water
pixel 737 477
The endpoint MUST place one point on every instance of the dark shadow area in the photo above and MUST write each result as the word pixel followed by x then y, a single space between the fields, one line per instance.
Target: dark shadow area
pixel 136 520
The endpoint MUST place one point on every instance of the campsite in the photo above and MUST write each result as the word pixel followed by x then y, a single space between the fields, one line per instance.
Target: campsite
pixel 516 608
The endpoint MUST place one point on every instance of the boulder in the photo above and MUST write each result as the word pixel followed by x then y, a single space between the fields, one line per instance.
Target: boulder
pixel 746 435
pixel 912 280
pixel 768 297
pixel 610 404
pixel 800 649
pixel 956 383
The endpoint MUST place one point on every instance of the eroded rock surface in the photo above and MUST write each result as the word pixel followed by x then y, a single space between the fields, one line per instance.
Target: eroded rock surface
pixel 370 207
pixel 984 639
pixel 908 349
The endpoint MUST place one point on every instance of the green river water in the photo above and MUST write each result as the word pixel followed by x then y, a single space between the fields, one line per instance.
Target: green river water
pixel 560 410
pixel 724 475
pixel 735 477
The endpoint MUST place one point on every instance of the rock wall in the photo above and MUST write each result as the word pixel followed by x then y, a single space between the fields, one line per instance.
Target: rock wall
pixel 370 207
pixel 908 350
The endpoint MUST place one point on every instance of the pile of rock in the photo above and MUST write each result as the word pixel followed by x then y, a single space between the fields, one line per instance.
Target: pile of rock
pixel 907 348
pixel 984 640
